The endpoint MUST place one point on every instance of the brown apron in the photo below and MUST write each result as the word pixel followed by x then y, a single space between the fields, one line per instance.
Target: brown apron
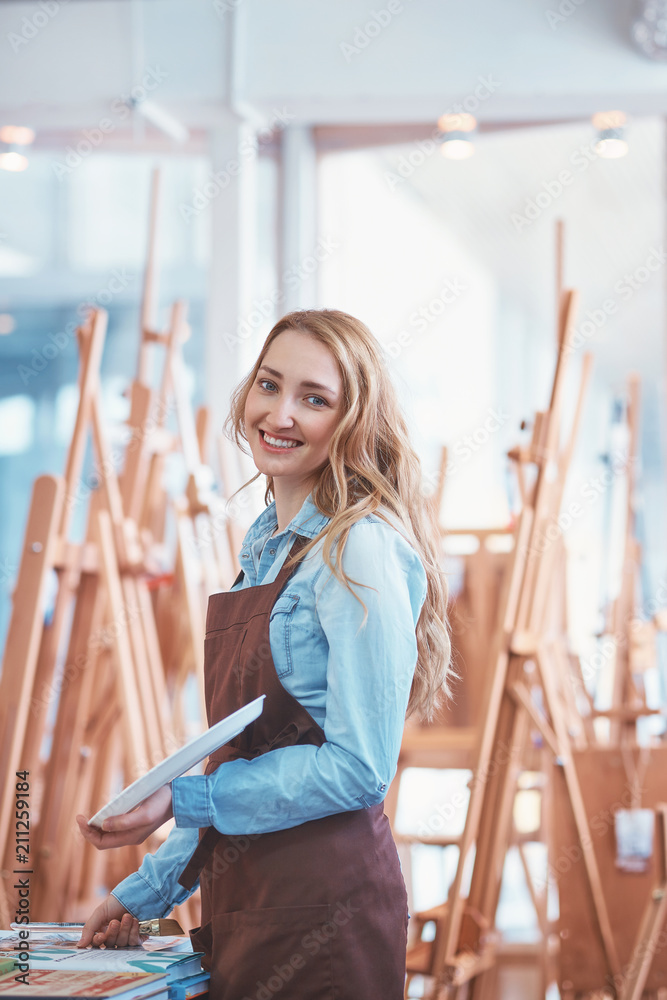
pixel 317 911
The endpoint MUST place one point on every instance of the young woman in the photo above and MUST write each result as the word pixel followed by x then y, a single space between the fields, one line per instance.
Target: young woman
pixel 339 617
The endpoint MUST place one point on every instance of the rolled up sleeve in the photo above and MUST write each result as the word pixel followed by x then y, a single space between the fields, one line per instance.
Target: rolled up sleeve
pixel 153 890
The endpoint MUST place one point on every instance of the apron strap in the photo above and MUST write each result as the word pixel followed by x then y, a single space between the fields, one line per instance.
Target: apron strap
pixel 285 572
pixel 204 849
pixel 197 862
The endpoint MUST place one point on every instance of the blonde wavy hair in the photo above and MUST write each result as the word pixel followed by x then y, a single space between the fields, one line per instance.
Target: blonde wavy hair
pixel 372 469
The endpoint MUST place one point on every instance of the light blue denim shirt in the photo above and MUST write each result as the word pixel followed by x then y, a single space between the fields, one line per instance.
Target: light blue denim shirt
pixel 355 682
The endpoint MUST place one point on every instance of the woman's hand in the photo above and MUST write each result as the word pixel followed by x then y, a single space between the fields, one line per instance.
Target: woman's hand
pixel 132 827
pixel 112 926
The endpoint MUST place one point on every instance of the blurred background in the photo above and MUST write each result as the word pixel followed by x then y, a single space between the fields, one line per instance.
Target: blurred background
pixel 303 166
pixel 407 162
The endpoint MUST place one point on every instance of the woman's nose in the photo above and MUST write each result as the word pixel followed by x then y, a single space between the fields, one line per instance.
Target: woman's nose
pixel 282 412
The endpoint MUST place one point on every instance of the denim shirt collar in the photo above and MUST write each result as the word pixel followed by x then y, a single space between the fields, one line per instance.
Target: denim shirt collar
pixel 309 522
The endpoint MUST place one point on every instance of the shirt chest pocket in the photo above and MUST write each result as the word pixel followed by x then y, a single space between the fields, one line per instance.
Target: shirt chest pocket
pixel 281 628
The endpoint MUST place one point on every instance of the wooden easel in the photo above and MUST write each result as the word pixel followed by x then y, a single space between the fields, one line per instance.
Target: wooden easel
pixel 599 911
pixel 528 650
pixel 617 773
pixel 113 695
pixel 653 920
pixel 106 591
pixel 627 696
pixel 452 740
pixel 31 642
pixel 583 969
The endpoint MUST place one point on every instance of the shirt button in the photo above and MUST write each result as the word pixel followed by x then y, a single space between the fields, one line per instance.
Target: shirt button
pixel 382 787
pixel 272 552
pixel 245 555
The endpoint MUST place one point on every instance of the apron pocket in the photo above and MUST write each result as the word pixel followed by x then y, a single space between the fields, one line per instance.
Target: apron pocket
pixel 261 953
pixel 201 938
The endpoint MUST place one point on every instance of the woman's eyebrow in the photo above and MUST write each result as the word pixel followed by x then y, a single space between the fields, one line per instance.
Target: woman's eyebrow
pixel 271 371
pixel 318 385
pixel 307 385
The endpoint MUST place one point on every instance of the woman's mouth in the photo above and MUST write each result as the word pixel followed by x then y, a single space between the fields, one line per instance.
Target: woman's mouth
pixel 276 444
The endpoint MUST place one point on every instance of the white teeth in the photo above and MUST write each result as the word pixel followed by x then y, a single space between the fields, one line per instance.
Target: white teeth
pixel 279 443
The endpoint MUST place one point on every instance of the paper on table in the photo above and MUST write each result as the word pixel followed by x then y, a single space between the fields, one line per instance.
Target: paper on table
pixel 173 963
pixel 67 939
pixel 54 939
pixel 175 943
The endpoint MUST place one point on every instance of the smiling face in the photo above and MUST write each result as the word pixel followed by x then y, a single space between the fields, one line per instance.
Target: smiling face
pixel 293 408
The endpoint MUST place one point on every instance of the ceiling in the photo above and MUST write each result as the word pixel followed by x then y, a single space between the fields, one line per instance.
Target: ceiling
pixel 613 226
pixel 325 62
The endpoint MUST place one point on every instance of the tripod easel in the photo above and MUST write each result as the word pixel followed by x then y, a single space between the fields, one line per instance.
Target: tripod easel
pixel 527 653
pixel 100 655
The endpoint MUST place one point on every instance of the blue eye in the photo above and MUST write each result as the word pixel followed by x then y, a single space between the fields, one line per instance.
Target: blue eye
pixel 266 383
pixel 320 402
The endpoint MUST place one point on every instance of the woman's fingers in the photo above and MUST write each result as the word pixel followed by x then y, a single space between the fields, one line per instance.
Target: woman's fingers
pixel 108 936
pixel 89 931
pixel 132 827
pixel 126 821
pixel 105 839
pixel 104 924
pixel 91 833
pixel 151 813
pixel 135 937
pixel 118 932
pixel 102 839
pixel 123 933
